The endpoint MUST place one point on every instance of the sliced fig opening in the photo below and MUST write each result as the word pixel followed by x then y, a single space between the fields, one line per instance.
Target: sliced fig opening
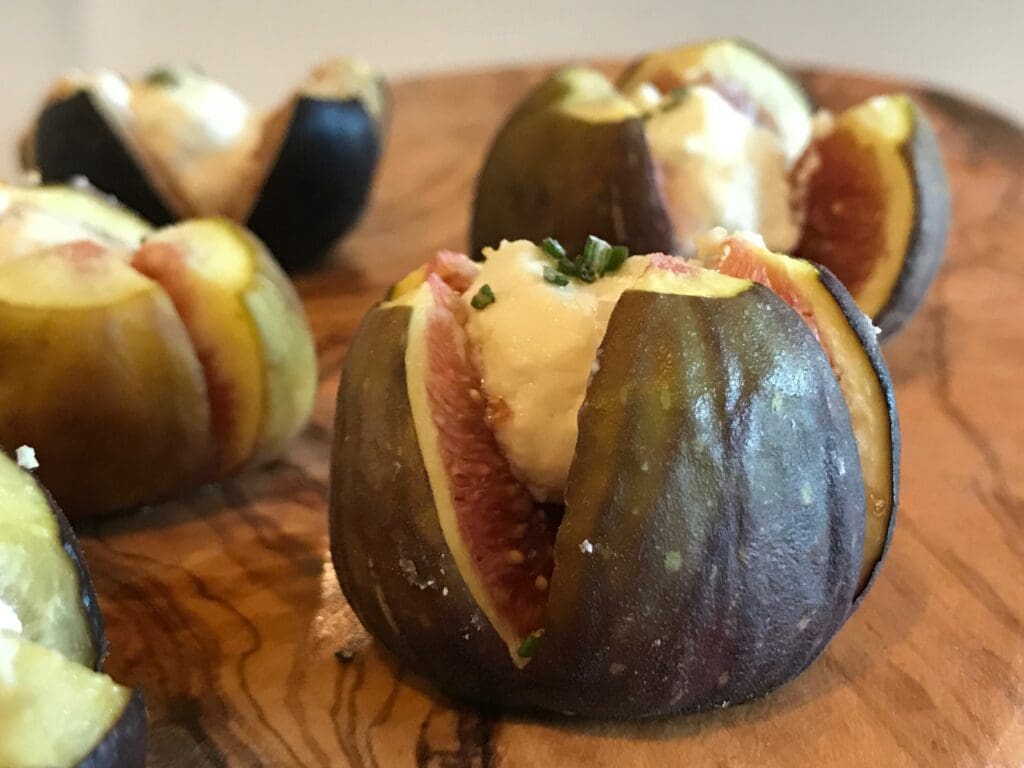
pixel 501 539
pixel 491 505
pixel 876 205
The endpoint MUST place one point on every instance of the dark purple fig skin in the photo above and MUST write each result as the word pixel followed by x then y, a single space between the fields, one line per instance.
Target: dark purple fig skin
pixel 389 552
pixel 743 484
pixel 930 233
pixel 318 184
pixel 552 174
pixel 73 138
pixel 865 331
pixel 768 544
pixel 124 746
pixel 90 604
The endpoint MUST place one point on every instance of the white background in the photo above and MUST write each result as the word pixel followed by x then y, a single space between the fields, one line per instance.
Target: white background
pixel 263 47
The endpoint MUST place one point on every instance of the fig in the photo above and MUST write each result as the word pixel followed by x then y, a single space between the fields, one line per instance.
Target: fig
pixel 177 144
pixel 719 135
pixel 602 485
pixel 139 370
pixel 877 201
pixel 56 707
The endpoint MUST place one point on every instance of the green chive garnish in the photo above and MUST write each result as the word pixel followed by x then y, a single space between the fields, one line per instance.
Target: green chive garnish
pixel 674 98
pixel 553 248
pixel 617 257
pixel 529 645
pixel 567 267
pixel 163 77
pixel 598 258
pixel 595 255
pixel 554 277
pixel 484 297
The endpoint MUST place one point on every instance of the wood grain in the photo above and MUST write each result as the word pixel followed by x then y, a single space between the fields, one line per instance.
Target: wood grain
pixel 224 606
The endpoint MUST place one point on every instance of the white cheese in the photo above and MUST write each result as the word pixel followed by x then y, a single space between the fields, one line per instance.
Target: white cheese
pixel 199 130
pixel 721 169
pixel 536 347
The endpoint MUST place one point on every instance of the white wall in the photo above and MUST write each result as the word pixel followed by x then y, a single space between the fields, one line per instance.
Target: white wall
pixel 262 47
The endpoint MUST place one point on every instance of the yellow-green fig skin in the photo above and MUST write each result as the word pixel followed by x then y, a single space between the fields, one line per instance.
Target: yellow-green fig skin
pixel 43 575
pixel 131 396
pixel 712 533
pixel 60 714
pixel 572 164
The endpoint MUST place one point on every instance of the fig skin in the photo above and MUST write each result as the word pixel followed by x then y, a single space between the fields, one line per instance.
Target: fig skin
pixel 125 744
pixel 699 589
pixel 930 231
pixel 871 343
pixel 73 138
pixel 552 171
pixel 389 551
pixel 319 183
pixel 72 551
pixel 853 349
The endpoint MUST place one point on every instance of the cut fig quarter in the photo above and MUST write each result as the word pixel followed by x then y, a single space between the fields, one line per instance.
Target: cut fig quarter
pixel 719 134
pixel 176 144
pixel 623 495
pixel 174 356
pixel 877 206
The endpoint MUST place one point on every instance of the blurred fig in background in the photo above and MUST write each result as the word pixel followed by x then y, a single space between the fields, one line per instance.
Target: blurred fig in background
pixel 719 134
pixel 177 144
pixel 140 363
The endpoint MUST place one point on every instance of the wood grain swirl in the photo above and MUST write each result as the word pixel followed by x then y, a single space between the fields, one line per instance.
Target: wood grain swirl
pixel 224 605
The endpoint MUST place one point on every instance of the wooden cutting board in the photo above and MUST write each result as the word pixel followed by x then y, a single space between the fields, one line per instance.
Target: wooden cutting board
pixel 225 608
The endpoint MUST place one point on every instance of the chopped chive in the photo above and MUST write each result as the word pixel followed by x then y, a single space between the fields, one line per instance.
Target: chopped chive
pixel 674 98
pixel 484 297
pixel 530 644
pixel 553 248
pixel 567 267
pixel 617 257
pixel 555 277
pixel 595 255
pixel 162 77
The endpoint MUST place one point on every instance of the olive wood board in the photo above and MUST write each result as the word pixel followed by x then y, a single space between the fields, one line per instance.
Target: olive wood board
pixel 224 606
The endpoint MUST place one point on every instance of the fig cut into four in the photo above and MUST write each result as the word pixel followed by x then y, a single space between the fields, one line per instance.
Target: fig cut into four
pixel 718 134
pixel 678 513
